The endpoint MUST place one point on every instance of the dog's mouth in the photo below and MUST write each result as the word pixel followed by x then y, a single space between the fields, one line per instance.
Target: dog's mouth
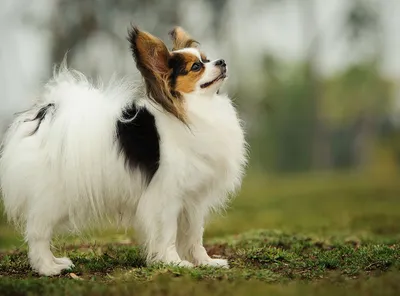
pixel 221 76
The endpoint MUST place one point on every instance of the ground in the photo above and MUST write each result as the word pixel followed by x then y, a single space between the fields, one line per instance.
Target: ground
pixel 330 234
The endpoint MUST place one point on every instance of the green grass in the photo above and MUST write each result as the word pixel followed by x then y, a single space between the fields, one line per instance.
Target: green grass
pixel 308 235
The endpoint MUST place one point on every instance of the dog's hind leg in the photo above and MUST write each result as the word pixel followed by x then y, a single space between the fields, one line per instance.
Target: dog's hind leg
pixel 41 222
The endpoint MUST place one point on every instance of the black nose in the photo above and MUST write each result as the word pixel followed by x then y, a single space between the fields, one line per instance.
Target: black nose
pixel 220 63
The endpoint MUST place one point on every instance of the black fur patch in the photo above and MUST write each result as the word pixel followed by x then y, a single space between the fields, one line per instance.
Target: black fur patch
pixel 40 116
pixel 178 65
pixel 139 141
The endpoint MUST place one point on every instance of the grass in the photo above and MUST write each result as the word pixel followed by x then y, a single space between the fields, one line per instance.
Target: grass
pixel 308 235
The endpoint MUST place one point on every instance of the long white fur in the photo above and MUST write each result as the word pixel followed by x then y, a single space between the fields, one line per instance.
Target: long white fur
pixel 70 173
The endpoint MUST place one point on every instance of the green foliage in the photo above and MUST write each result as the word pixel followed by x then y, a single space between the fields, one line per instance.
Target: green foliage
pixel 356 93
pixel 351 106
pixel 283 138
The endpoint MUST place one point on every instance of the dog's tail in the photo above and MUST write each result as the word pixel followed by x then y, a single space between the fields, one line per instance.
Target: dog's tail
pixel 23 129
pixel 28 128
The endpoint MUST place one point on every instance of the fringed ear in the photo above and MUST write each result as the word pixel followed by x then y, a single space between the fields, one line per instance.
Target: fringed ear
pixel 152 57
pixel 150 53
pixel 181 39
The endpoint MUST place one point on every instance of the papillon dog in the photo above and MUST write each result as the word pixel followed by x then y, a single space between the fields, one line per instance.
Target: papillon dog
pixel 158 156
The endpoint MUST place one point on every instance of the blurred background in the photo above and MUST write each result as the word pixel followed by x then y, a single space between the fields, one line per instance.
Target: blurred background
pixel 317 83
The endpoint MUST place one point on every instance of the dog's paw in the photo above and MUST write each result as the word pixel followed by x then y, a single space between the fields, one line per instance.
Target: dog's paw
pixel 64 261
pixel 218 263
pixel 53 267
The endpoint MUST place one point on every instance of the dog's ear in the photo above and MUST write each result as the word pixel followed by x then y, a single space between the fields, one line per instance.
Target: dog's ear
pixel 181 39
pixel 150 53
pixel 152 58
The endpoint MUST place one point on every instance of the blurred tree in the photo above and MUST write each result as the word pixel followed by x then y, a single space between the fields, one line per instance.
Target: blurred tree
pixel 356 101
pixel 281 141
pixel 361 21
pixel 317 122
pixel 321 147
pixel 363 26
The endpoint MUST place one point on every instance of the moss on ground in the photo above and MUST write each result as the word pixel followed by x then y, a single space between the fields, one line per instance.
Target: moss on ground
pixel 337 236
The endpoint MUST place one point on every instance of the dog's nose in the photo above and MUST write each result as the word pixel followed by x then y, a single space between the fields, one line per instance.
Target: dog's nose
pixel 220 63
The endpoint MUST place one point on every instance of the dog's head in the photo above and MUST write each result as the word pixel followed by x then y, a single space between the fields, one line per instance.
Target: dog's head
pixel 170 75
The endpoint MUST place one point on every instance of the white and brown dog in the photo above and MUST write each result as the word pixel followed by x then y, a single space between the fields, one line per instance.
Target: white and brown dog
pixel 157 157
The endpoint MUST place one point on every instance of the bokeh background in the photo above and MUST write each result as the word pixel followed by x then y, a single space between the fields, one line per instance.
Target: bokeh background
pixel 317 83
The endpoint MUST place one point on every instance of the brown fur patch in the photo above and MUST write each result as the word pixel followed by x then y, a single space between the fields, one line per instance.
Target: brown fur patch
pixel 187 79
pixel 181 39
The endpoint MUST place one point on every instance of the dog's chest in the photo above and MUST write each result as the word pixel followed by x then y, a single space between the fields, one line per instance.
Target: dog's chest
pixel 213 146
pixel 216 131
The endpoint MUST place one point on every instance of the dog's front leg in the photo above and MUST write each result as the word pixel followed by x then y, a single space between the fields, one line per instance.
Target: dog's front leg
pixel 157 218
pixel 190 235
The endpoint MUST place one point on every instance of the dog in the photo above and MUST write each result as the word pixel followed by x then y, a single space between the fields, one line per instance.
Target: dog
pixel 158 156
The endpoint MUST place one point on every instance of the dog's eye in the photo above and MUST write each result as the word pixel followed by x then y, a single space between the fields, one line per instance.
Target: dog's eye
pixel 196 66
